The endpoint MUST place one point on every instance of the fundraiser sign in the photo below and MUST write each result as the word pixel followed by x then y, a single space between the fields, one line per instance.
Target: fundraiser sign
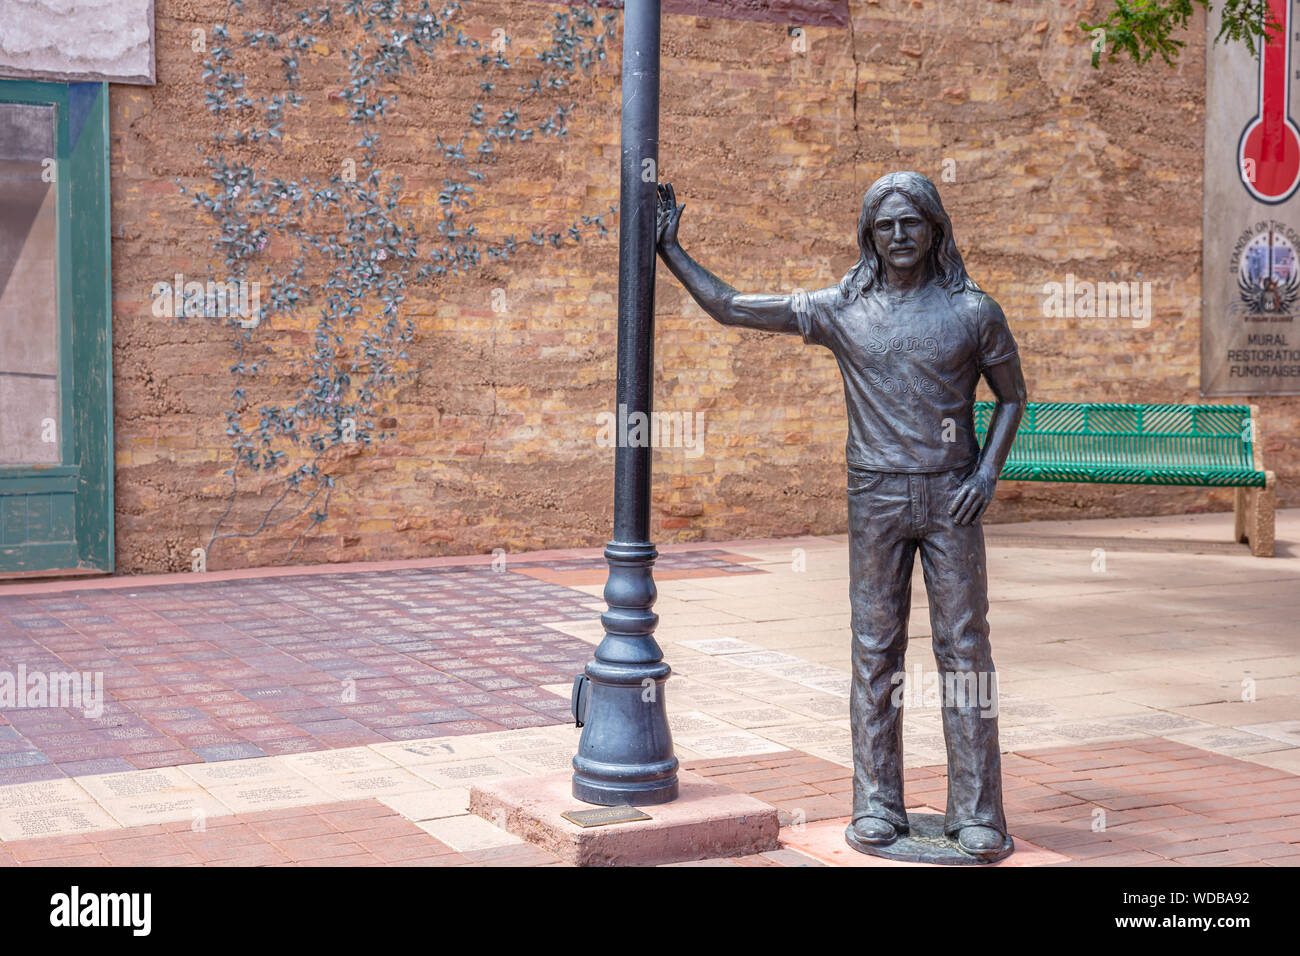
pixel 1250 319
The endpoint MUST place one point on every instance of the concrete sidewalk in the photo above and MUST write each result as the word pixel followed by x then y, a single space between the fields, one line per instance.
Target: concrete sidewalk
pixel 1149 671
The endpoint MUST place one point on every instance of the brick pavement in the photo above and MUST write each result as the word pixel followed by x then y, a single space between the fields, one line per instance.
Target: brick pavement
pixel 351 833
pixel 1148 712
pixel 1139 802
pixel 197 671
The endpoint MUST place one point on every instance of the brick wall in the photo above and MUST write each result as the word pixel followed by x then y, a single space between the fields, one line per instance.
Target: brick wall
pixel 1054 169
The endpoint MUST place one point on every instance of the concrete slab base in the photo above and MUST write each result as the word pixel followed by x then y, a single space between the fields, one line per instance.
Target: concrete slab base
pixel 707 821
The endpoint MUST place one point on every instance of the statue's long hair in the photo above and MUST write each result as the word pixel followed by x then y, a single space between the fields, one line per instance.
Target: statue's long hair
pixel 945 260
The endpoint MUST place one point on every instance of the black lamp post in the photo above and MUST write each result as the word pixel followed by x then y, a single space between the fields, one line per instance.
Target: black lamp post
pixel 626 751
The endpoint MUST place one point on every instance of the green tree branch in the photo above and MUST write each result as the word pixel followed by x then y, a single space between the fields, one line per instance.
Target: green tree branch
pixel 1141 28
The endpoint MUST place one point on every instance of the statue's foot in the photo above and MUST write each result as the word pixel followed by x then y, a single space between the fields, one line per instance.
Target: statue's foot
pixel 981 842
pixel 875 831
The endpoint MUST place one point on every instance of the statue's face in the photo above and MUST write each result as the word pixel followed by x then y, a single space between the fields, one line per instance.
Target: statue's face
pixel 902 235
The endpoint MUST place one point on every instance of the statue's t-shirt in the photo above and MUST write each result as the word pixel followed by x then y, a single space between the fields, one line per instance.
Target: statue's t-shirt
pixel 910 366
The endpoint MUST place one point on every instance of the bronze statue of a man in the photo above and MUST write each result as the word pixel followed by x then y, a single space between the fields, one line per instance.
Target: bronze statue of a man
pixel 912 334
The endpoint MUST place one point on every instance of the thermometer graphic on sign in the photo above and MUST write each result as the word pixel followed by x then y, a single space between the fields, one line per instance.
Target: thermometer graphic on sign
pixel 1268 155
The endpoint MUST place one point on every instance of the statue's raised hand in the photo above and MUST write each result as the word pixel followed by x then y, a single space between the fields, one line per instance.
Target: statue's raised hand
pixel 668 216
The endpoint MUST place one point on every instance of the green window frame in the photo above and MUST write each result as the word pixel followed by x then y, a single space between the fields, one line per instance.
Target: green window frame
pixel 58 518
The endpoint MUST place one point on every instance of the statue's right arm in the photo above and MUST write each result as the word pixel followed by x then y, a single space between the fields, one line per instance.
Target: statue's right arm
pixel 771 313
pixel 768 312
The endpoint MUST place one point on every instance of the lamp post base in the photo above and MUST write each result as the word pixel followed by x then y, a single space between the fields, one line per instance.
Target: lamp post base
pixel 625 755
pixel 603 794
pixel 626 751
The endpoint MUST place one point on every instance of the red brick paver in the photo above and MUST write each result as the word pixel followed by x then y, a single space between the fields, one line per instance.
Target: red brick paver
pixel 353 833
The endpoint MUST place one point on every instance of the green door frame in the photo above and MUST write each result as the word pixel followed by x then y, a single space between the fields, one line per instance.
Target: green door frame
pixel 59 518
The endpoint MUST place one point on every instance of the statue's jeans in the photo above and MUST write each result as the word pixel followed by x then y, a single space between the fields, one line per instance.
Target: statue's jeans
pixel 891 515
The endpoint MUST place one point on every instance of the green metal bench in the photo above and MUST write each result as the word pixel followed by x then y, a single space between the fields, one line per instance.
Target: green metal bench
pixel 1203 445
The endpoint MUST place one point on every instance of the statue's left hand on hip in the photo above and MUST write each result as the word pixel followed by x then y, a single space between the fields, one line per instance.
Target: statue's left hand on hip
pixel 974 495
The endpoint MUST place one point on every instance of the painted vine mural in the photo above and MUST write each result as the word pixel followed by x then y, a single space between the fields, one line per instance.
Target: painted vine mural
pixel 339 249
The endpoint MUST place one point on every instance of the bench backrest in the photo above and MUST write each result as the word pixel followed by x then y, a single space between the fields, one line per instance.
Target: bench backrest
pixel 1139 444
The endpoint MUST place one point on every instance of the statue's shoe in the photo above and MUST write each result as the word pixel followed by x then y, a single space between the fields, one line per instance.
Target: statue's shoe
pixel 875 831
pixel 984 843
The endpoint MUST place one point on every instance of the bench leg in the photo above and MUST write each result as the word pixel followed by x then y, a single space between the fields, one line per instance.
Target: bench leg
pixel 1253 516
